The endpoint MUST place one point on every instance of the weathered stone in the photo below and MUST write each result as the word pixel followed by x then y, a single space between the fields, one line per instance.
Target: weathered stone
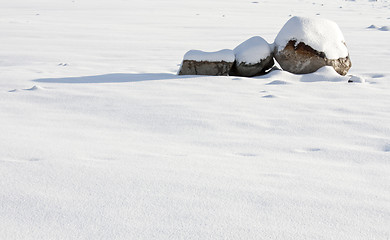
pixel 253 57
pixel 250 70
pixel 196 62
pixel 192 67
pixel 301 58
pixel 304 45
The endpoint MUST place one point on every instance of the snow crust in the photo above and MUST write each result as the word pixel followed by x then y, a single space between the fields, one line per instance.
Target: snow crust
pixel 112 144
pixel 321 34
pixel 252 51
pixel 226 55
pixel 324 74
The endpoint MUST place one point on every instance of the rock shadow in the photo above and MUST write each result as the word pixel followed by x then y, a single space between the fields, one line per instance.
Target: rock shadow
pixel 114 78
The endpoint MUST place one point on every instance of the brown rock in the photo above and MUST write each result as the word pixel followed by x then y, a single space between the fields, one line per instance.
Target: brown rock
pixel 301 58
pixel 249 70
pixel 253 57
pixel 192 67
pixel 304 45
pixel 196 62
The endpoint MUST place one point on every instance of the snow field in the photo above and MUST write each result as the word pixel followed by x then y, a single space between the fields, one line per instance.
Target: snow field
pixel 112 144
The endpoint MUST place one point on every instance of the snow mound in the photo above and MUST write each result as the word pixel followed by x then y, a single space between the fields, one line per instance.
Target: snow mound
pixel 277 82
pixel 357 79
pixel 34 88
pixel 321 34
pixel 252 51
pixel 384 28
pixel 226 55
pixel 326 73
pixel 372 26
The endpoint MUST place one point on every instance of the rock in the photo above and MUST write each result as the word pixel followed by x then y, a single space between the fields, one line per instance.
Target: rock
pixel 253 57
pixel 301 58
pixel 304 45
pixel 197 62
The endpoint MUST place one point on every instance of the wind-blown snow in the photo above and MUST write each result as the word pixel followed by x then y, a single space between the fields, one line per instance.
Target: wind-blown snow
pixel 321 34
pixel 252 51
pixel 112 144
pixel 226 55
pixel 324 74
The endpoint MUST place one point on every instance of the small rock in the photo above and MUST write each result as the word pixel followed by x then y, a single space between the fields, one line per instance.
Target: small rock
pixel 253 57
pixel 197 62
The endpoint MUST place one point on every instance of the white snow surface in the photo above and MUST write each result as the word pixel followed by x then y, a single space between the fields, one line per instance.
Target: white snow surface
pixel 321 34
pixel 252 51
pixel 100 139
pixel 226 55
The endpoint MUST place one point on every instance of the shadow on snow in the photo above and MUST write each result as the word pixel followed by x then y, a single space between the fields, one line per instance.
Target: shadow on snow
pixel 114 78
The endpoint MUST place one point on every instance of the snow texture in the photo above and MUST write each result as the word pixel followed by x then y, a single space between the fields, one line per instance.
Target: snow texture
pixel 252 51
pixel 112 144
pixel 226 55
pixel 321 34
pixel 324 74
pixel 357 79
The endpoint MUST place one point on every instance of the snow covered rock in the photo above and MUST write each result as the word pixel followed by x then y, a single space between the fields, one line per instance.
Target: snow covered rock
pixel 197 62
pixel 304 45
pixel 253 57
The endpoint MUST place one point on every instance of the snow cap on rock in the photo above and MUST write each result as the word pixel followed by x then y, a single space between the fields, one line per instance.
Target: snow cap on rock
pixel 252 50
pixel 196 62
pixel 225 55
pixel 321 34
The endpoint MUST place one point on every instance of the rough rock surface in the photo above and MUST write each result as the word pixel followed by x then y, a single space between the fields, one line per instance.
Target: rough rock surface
pixel 253 57
pixel 252 69
pixel 304 45
pixel 300 58
pixel 196 62
pixel 192 67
